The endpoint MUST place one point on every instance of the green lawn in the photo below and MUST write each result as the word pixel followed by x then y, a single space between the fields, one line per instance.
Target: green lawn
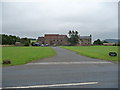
pixel 100 52
pixel 22 55
pixel 33 41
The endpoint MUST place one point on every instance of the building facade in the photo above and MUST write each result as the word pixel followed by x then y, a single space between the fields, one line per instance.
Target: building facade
pixel 85 40
pixel 56 39
pixel 53 39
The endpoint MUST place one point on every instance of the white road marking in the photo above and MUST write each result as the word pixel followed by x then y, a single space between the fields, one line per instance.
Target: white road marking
pixel 54 85
pixel 51 63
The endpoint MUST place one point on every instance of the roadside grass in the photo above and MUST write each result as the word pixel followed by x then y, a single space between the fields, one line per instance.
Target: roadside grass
pixel 23 55
pixel 99 52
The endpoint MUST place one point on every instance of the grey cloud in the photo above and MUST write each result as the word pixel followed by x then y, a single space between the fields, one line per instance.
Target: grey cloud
pixel 35 19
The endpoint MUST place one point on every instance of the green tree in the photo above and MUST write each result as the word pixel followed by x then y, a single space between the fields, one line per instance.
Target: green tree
pixel 105 41
pixel 73 37
pixel 98 42
pixel 69 33
pixel 25 41
pixel 9 39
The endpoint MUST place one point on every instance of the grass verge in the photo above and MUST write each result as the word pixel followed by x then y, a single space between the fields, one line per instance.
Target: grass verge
pixel 99 52
pixel 23 55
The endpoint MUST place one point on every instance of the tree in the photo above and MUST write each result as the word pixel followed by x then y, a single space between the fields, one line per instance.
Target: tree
pixel 116 44
pixel 69 33
pixel 25 41
pixel 9 39
pixel 73 37
pixel 98 42
pixel 76 32
pixel 105 41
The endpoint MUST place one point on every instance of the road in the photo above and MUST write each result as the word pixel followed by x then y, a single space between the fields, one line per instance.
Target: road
pixel 65 70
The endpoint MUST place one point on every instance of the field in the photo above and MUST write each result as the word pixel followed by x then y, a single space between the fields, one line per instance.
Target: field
pixel 99 52
pixel 22 55
pixel 33 41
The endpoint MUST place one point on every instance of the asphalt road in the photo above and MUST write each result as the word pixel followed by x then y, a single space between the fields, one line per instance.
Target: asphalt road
pixel 65 70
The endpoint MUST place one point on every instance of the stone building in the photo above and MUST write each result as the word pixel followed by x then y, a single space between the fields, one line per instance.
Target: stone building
pixel 85 40
pixel 53 39
pixel 56 39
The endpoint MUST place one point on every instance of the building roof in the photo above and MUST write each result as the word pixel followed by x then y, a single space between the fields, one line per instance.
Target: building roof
pixel 54 36
pixel 41 37
pixel 85 37
pixel 51 34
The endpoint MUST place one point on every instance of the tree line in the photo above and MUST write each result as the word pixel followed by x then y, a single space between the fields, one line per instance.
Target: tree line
pixel 11 40
pixel 99 42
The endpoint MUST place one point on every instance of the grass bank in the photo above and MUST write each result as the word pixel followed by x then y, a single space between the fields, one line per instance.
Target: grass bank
pixel 99 52
pixel 23 55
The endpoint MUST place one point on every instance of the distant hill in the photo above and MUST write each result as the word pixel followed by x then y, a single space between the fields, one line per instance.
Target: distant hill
pixel 112 40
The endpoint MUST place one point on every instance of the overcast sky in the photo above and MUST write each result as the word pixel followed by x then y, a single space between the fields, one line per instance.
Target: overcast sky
pixel 36 18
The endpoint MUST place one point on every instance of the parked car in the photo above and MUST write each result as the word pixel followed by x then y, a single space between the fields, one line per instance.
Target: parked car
pixel 42 45
pixel 36 44
pixel 46 44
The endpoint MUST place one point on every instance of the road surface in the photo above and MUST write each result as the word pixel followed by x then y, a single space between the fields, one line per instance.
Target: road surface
pixel 65 70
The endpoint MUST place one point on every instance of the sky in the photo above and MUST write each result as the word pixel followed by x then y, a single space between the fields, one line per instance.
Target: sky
pixel 34 18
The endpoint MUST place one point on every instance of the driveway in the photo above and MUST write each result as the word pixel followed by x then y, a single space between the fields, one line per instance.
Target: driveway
pixel 65 70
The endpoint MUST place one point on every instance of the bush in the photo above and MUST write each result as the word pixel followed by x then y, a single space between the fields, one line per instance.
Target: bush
pixel 32 43
pixel 26 44
pixel 116 44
